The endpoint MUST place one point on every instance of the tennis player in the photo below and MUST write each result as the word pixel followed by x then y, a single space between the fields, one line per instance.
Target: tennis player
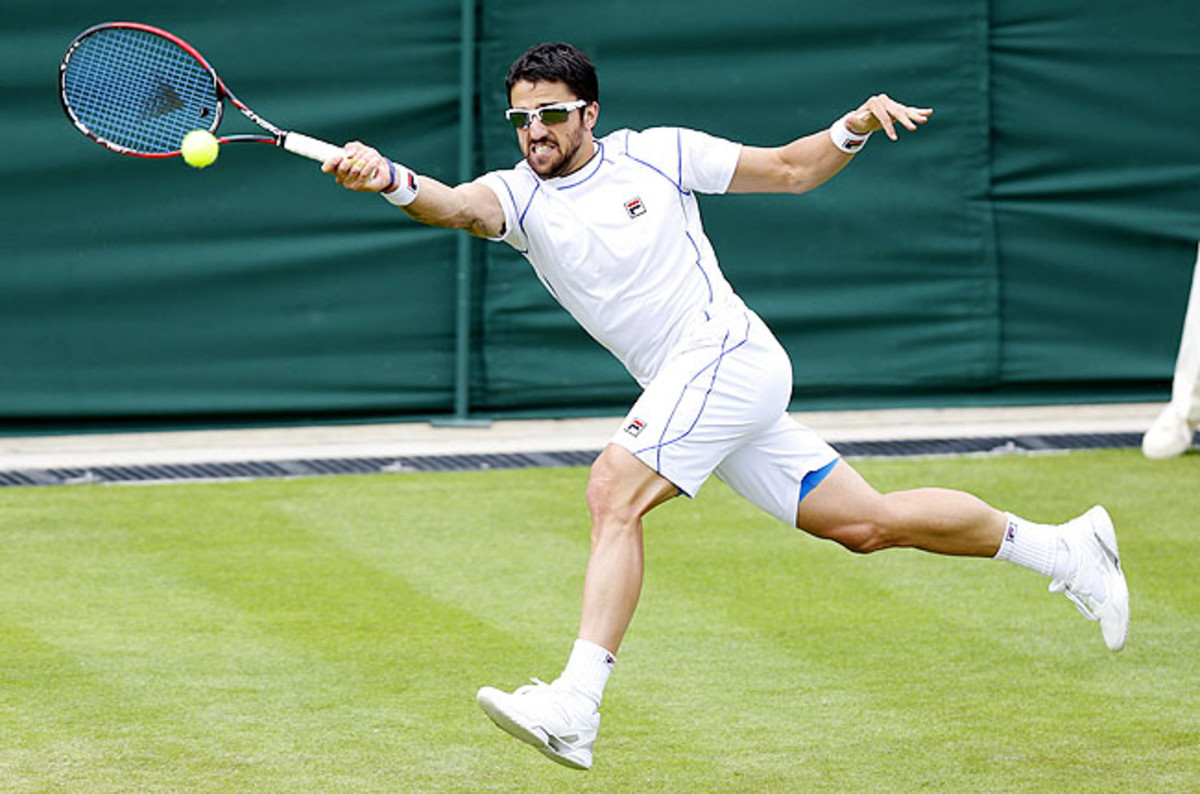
pixel 611 226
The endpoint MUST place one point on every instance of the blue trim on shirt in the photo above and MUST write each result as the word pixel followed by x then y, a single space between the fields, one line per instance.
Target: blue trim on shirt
pixel 546 283
pixel 598 159
pixel 521 220
pixel 679 154
pixel 678 185
pixel 700 266
pixel 512 197
pixel 513 200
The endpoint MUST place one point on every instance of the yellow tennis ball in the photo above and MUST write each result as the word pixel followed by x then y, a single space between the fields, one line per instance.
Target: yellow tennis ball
pixel 199 148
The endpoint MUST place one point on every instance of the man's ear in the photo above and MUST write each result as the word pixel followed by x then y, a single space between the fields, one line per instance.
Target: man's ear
pixel 591 114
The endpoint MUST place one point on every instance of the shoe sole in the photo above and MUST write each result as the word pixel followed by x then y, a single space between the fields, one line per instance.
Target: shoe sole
pixel 533 736
pixel 1106 536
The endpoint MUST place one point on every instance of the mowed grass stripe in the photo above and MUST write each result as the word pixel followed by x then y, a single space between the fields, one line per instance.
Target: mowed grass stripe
pixel 154 662
pixel 328 635
pixel 218 618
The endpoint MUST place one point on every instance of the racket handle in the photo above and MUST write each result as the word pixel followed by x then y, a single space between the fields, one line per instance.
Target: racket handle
pixel 308 147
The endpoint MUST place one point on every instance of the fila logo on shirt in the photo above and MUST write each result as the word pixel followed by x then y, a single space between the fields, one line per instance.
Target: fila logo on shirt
pixel 635 207
pixel 635 427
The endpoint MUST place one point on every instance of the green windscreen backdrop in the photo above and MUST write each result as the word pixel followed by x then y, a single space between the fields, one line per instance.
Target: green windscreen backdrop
pixel 1034 241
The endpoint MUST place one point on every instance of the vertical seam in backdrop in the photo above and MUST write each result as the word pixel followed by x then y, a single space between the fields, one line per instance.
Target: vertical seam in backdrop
pixel 991 243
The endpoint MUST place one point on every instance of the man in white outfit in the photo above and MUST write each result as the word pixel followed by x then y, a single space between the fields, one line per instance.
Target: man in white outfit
pixel 1173 430
pixel 612 228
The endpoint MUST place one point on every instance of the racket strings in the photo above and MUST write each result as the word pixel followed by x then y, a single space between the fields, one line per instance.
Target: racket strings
pixel 139 91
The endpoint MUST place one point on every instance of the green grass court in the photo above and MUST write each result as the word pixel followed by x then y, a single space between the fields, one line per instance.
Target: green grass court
pixel 328 635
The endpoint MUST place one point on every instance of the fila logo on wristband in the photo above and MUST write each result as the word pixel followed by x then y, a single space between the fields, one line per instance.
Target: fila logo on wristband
pixel 844 138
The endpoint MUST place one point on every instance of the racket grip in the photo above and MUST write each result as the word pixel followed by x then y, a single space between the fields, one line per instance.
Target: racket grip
pixel 311 148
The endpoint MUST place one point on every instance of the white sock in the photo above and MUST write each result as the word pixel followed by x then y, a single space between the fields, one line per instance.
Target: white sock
pixel 587 670
pixel 1038 547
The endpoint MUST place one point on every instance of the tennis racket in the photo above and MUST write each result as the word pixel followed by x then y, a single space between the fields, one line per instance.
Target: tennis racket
pixel 138 90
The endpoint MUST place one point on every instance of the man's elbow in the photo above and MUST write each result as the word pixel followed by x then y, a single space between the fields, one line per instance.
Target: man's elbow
pixel 800 179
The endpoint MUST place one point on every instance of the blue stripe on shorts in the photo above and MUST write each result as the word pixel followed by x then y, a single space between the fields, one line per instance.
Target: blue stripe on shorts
pixel 813 479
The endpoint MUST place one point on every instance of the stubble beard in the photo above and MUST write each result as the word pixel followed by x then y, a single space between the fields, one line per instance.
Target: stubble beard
pixel 556 165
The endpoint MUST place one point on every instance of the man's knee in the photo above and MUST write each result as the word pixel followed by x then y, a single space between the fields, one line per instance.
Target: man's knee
pixel 621 489
pixel 604 492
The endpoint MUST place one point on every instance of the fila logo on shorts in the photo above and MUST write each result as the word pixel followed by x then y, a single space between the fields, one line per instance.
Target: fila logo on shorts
pixel 635 427
pixel 635 207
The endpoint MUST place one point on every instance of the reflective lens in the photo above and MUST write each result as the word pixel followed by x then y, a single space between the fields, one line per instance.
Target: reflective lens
pixel 518 118
pixel 551 114
pixel 554 115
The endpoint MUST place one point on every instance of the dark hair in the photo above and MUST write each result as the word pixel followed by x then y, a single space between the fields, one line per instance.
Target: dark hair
pixel 557 62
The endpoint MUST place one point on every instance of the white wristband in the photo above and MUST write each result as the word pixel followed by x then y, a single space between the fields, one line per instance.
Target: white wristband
pixel 403 188
pixel 844 138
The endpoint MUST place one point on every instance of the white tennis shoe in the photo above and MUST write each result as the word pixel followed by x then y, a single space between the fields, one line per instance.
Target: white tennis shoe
pixel 1170 435
pixel 560 724
pixel 1098 586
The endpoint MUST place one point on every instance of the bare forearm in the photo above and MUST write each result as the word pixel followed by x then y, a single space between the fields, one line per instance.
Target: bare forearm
pixel 438 204
pixel 807 162
pixel 470 206
pixel 813 160
pixel 796 167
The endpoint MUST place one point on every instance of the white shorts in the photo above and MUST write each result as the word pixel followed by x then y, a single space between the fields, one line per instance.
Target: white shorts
pixel 722 407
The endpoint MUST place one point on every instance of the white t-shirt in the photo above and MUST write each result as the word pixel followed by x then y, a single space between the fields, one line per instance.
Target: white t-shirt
pixel 620 245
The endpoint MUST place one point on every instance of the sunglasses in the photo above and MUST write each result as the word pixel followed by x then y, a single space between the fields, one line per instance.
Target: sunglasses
pixel 550 114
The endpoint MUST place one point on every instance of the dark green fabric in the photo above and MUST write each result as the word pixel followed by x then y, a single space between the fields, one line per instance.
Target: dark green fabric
pixel 1037 235
pixel 137 288
pixel 1096 180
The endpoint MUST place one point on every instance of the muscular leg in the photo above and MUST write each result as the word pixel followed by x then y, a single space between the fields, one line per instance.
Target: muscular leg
pixel 1080 556
pixel 621 490
pixel 846 509
pixel 561 719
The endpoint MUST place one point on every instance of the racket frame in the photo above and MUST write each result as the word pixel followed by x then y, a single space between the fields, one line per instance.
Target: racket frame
pixel 294 142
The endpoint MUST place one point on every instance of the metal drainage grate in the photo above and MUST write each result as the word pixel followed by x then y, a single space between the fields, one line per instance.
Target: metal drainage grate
pixel 195 472
pixel 989 444
pixel 181 472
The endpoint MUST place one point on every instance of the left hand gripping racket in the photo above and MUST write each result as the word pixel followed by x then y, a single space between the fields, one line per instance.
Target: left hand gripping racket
pixel 138 90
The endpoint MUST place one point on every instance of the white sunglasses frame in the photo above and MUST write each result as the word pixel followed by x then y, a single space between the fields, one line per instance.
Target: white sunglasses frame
pixel 536 113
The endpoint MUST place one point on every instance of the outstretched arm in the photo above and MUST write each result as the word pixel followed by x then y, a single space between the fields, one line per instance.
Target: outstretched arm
pixel 469 206
pixel 806 162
